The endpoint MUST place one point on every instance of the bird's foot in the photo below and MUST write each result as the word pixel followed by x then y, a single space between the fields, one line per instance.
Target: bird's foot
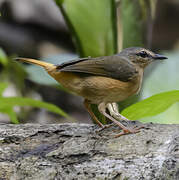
pixel 133 130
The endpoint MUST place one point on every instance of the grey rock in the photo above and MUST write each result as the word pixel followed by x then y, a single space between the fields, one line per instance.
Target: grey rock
pixel 80 151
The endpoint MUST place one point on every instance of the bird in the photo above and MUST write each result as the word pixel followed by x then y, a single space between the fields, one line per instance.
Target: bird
pixel 103 81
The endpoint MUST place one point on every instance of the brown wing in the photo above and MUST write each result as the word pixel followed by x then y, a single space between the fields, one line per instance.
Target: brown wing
pixel 115 66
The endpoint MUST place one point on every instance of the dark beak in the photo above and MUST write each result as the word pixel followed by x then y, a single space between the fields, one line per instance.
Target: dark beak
pixel 159 57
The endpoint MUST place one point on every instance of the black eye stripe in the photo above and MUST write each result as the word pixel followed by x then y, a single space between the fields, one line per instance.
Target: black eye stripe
pixel 142 54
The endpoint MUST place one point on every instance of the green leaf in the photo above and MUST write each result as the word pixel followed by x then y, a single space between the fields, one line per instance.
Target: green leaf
pixel 3 58
pixel 7 104
pixel 92 24
pixel 152 106
pixel 170 116
pixel 18 101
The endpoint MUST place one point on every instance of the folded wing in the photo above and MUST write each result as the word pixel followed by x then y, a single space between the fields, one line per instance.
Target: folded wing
pixel 116 67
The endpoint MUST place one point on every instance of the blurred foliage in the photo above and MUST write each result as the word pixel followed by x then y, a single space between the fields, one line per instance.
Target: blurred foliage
pixel 13 69
pixel 92 24
pixel 3 58
pixel 137 19
pixel 7 104
pixel 132 23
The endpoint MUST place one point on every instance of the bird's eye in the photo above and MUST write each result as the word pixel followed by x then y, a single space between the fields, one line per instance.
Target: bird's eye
pixel 142 54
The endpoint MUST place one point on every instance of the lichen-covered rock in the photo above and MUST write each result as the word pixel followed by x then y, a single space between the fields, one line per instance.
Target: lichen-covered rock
pixel 79 151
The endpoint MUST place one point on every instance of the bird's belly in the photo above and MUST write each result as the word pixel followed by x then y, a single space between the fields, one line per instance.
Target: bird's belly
pixel 97 89
pixel 71 81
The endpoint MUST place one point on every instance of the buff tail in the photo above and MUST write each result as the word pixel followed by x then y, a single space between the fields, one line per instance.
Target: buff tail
pixel 37 62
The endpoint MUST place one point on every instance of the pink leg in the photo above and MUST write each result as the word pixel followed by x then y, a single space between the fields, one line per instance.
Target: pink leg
pixel 126 130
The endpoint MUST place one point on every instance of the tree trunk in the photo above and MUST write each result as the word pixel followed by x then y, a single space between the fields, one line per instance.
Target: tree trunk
pixel 79 151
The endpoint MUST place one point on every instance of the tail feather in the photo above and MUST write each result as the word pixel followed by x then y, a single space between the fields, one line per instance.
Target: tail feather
pixel 34 61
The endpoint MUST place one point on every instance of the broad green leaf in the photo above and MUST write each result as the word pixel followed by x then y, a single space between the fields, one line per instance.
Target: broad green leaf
pixel 3 86
pixel 92 24
pixel 3 58
pixel 170 116
pixel 19 101
pixel 152 106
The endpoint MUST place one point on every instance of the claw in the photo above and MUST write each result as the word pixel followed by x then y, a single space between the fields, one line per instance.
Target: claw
pixel 129 131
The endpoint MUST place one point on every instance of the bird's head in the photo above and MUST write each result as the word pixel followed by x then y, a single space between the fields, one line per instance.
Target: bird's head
pixel 141 56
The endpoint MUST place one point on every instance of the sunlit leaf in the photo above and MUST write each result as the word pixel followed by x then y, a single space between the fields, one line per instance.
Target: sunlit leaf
pixel 152 106
pixel 170 116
